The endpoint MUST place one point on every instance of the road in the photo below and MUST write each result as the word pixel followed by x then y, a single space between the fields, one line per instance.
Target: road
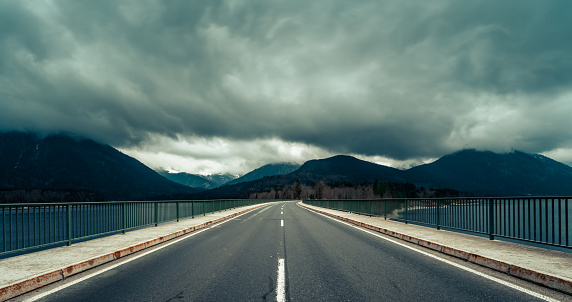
pixel 323 260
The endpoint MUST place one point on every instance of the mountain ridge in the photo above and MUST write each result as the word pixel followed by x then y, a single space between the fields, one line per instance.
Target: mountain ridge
pixel 471 172
pixel 90 170
pixel 336 169
pixel 188 179
pixel 489 173
pixel 63 162
pixel 266 170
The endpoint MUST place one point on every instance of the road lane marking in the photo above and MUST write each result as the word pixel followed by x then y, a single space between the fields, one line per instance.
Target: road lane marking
pixel 164 245
pixel 264 209
pixel 470 270
pixel 282 222
pixel 281 283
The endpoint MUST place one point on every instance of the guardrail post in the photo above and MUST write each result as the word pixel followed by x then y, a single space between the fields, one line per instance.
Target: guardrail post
pixel 156 213
pixel 68 208
pixel 566 221
pixel 405 211
pixel 438 214
pixel 370 213
pixel 177 211
pixel 385 209
pixel 124 216
pixel 491 219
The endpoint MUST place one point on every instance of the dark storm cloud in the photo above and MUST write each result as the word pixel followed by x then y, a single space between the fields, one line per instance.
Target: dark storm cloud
pixel 398 79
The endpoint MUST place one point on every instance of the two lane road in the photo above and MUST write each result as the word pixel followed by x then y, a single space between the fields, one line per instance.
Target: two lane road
pixel 322 259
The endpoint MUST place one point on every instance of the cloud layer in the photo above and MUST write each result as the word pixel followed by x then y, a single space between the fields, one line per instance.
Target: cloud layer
pixel 401 80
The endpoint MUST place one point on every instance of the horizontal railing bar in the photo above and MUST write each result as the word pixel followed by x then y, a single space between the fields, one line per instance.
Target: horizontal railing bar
pixel 112 202
pixel 35 247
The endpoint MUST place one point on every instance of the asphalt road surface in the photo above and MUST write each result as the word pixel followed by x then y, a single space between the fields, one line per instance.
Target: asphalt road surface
pixel 322 260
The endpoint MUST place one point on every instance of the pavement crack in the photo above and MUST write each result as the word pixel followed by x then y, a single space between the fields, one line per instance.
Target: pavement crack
pixel 270 289
pixel 178 296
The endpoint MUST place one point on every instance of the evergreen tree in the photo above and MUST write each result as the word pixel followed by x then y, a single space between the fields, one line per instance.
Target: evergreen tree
pixel 297 189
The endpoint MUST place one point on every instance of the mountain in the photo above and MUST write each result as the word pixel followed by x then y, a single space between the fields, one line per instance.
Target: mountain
pixel 189 180
pixel 336 169
pixel 199 181
pixel 343 168
pixel 63 162
pixel 221 178
pixel 484 173
pixel 473 173
pixel 63 167
pixel 266 170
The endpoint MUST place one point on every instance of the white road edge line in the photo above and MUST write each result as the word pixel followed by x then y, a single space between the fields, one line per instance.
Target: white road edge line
pixel 281 283
pixel 470 270
pixel 40 296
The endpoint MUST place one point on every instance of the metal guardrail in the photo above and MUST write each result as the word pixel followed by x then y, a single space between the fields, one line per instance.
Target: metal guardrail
pixel 31 226
pixel 543 220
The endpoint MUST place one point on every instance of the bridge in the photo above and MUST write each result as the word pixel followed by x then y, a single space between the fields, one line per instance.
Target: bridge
pixel 289 251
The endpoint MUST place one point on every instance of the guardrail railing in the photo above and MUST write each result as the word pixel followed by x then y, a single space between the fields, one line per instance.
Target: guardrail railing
pixel 544 220
pixel 31 226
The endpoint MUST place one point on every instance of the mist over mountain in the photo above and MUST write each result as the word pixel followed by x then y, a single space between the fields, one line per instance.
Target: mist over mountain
pixel 189 180
pixel 210 181
pixel 266 170
pixel 64 162
pixel 220 178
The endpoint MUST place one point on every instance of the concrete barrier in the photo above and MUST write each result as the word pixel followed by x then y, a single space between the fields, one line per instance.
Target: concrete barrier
pixel 30 284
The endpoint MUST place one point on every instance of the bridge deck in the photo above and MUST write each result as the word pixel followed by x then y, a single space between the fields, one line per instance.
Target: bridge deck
pixel 23 273
pixel 543 266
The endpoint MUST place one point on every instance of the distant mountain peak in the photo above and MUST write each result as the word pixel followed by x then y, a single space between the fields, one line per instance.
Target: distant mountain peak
pixel 266 170
pixel 465 152
pixel 343 156
pixel 189 180
pixel 336 159
pixel 348 168
pixel 220 179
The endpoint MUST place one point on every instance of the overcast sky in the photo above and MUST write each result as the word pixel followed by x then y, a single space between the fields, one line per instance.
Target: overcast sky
pixel 227 86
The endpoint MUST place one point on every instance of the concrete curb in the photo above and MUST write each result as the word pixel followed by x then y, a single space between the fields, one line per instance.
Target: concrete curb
pixel 553 282
pixel 35 282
